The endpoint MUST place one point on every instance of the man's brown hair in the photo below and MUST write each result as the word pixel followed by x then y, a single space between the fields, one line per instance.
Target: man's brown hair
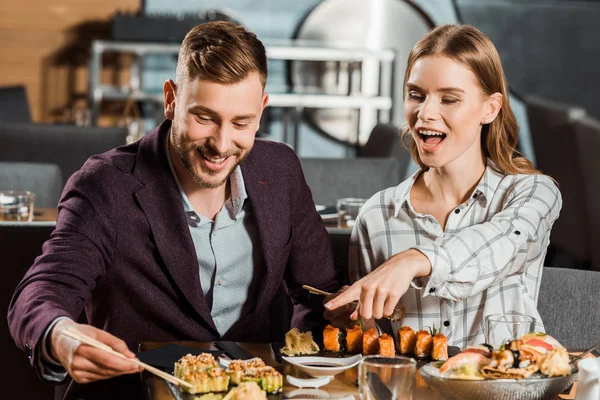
pixel 221 52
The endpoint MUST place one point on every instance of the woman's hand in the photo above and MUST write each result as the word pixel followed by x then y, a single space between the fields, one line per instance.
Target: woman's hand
pixel 339 317
pixel 86 363
pixel 379 292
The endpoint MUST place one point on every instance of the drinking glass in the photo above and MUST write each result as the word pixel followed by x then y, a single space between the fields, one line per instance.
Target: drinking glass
pixel 16 206
pixel 381 377
pixel 500 328
pixel 347 210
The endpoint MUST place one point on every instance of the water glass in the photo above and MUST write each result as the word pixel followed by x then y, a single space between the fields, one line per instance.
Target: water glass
pixel 16 206
pixel 347 210
pixel 381 377
pixel 500 328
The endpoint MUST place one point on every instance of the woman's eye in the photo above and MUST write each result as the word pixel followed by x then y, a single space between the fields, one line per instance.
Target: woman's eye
pixel 450 100
pixel 414 96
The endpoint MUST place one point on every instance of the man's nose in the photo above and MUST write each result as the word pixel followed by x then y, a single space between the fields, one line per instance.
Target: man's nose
pixel 222 139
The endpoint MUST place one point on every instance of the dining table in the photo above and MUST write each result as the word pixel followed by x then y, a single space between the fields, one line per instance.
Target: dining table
pixel 342 386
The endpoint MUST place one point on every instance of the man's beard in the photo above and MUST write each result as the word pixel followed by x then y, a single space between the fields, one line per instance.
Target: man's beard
pixel 184 150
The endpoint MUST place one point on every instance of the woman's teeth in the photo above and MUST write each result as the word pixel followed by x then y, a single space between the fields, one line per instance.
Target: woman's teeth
pixel 431 133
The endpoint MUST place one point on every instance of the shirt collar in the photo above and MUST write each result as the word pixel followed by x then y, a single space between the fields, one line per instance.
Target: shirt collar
pixel 484 190
pixel 233 204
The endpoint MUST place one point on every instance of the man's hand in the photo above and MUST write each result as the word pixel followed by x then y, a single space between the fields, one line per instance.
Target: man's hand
pixel 86 363
pixel 379 292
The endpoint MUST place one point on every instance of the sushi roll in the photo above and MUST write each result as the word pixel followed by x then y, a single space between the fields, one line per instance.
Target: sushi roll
pixel 267 378
pixel 370 342
pixel 386 345
pixel 237 368
pixel 333 339
pixel 354 340
pixel 424 344
pixel 202 374
pixel 407 340
pixel 440 347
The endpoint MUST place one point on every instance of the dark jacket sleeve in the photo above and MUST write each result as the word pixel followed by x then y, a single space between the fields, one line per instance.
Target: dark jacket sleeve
pixel 311 259
pixel 72 261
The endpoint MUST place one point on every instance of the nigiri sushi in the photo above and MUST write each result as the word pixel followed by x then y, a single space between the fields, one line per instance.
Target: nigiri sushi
pixel 333 339
pixel 424 344
pixel 465 366
pixel 354 340
pixel 370 342
pixel 386 345
pixel 407 339
pixel 440 347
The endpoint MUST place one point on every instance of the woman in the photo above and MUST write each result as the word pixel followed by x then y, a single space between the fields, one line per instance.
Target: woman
pixel 466 235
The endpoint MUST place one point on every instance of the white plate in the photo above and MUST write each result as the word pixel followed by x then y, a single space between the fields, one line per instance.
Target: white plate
pixel 323 366
pixel 320 207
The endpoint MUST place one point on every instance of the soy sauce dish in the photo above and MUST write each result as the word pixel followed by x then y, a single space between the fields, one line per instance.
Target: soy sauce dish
pixel 323 366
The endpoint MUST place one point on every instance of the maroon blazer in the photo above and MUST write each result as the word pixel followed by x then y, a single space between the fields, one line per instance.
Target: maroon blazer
pixel 122 249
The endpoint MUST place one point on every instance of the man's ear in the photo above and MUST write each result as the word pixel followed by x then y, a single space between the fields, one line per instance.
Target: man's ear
pixel 494 105
pixel 170 90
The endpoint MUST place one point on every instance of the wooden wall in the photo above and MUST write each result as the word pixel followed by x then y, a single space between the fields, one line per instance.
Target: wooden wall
pixel 44 45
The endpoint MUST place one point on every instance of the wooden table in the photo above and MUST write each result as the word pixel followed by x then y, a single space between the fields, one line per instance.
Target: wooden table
pixel 45 214
pixel 342 385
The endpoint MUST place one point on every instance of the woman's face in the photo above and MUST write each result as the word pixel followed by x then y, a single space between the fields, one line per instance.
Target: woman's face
pixel 445 109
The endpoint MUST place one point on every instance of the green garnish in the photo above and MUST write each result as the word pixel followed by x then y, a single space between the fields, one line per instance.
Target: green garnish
pixel 433 331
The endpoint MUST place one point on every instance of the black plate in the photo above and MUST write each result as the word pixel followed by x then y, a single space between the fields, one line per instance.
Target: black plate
pixel 165 357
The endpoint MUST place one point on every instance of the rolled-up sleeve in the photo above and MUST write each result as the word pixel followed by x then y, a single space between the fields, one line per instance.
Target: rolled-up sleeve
pixel 479 256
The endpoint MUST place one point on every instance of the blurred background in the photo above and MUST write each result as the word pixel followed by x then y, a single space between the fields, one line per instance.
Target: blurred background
pixel 79 77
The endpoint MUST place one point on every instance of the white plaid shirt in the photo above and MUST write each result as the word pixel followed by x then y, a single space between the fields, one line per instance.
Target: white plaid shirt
pixel 489 260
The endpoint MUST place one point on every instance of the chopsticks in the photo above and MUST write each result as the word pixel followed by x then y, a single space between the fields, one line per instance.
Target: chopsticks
pixel 396 316
pixel 83 338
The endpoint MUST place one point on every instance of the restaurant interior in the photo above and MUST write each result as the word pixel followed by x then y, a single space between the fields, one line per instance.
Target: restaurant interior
pixel 79 78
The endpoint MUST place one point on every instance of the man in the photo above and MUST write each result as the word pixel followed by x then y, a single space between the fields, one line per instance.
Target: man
pixel 186 234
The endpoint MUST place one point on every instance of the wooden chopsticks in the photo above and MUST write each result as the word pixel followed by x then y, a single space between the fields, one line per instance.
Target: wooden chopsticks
pixel 83 338
pixel 396 316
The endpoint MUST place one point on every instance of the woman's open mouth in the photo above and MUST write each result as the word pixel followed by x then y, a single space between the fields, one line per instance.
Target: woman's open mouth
pixel 431 140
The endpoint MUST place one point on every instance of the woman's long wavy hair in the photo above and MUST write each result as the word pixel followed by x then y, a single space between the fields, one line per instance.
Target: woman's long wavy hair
pixel 470 47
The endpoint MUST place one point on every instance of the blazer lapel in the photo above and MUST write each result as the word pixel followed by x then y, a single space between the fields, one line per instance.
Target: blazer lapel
pixel 161 202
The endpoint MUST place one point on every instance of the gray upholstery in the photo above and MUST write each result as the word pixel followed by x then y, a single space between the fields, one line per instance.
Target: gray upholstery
pixel 587 131
pixel 569 306
pixel 44 180
pixel 384 141
pixel 332 178
pixel 14 106
pixel 65 145
pixel 554 142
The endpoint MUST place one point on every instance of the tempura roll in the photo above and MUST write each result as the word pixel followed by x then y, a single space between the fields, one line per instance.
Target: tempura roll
pixel 424 344
pixel 370 342
pixel 440 347
pixel 354 340
pixel 407 340
pixel 386 345
pixel 333 339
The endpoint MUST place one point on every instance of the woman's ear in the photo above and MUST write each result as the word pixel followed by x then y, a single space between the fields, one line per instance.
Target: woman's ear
pixel 493 107
pixel 170 90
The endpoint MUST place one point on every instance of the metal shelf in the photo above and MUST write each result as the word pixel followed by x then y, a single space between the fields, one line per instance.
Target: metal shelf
pixel 373 108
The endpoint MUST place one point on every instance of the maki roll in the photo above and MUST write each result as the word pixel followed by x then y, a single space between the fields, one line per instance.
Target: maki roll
pixel 354 340
pixel 202 373
pixel 386 345
pixel 333 339
pixel 440 347
pixel 237 368
pixel 370 342
pixel 424 344
pixel 267 378
pixel 407 340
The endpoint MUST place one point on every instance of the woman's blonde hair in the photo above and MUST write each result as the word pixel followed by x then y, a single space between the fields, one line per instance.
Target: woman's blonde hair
pixel 470 47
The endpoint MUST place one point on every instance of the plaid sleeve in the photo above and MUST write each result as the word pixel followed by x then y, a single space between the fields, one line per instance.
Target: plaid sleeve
pixel 360 257
pixel 482 255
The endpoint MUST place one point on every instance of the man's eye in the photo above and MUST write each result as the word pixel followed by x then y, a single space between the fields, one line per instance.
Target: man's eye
pixel 203 119
pixel 241 125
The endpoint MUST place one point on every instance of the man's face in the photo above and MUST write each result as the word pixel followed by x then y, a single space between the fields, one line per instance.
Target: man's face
pixel 214 125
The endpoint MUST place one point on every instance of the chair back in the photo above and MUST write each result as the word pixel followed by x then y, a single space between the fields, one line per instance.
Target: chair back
pixel 570 306
pixel 44 180
pixel 554 142
pixel 66 146
pixel 330 179
pixel 14 106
